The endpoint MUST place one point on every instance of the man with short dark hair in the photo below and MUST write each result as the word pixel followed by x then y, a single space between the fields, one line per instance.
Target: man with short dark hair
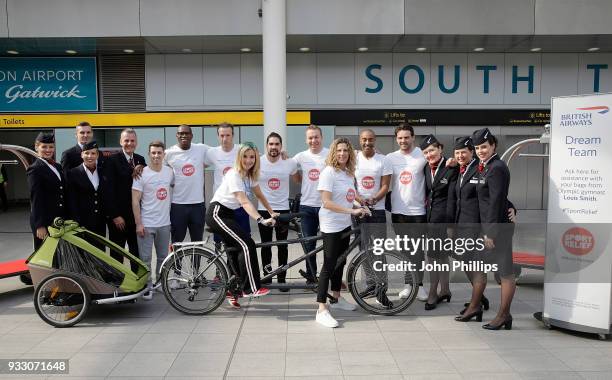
pixel 274 180
pixel 187 210
pixel 151 207
pixel 71 157
pixel 408 196
pixel 119 169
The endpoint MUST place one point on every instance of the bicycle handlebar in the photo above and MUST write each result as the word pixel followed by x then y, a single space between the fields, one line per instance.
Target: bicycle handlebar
pixel 286 218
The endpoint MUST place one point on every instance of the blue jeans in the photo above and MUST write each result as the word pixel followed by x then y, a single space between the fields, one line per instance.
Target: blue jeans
pixel 310 227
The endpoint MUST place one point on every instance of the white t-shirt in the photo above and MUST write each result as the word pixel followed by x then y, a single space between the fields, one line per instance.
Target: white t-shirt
pixel 312 165
pixel 155 200
pixel 188 168
pixel 368 173
pixel 222 161
pixel 231 183
pixel 342 187
pixel 408 197
pixel 274 180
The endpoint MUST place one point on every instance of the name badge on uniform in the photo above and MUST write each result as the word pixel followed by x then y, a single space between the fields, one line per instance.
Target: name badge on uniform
pixel 474 180
pixel 444 181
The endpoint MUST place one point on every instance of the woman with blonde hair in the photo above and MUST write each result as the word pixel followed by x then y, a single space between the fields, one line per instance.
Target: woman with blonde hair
pixel 337 188
pixel 238 184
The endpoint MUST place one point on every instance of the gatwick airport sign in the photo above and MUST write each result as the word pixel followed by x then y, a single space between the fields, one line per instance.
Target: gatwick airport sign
pixel 48 84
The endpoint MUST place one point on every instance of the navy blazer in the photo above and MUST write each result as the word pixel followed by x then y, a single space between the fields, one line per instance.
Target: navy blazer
pixel 87 205
pixel 47 194
pixel 492 189
pixel 437 191
pixel 119 174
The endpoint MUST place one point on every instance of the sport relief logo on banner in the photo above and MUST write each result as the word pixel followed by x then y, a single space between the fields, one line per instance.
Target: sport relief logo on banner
pixel 48 84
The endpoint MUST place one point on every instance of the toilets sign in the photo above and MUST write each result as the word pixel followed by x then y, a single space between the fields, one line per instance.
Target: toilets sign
pixel 48 84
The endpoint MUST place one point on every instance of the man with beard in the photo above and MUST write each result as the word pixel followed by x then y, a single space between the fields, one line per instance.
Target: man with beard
pixel 187 210
pixel 408 197
pixel 274 183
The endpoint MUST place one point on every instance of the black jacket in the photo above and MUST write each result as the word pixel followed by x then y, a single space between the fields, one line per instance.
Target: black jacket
pixel 463 200
pixel 437 190
pixel 119 175
pixel 47 194
pixel 71 158
pixel 492 191
pixel 87 205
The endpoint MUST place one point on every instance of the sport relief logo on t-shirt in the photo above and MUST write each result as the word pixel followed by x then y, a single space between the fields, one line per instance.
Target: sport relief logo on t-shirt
pixel 367 182
pixel 405 177
pixel 226 170
pixel 188 170
pixel 350 195
pixel 313 174
pixel 274 183
pixel 161 193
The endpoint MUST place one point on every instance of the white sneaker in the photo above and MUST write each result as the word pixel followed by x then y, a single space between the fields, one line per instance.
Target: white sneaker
pixel 325 318
pixel 405 293
pixel 148 295
pixel 422 295
pixel 342 304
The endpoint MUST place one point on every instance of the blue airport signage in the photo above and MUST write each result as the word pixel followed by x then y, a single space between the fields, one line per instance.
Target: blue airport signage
pixel 48 84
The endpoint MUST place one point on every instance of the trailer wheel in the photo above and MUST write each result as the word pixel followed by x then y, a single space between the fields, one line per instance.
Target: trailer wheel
pixel 61 300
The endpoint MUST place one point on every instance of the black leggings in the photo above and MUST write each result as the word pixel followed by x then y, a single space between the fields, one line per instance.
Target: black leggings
pixel 223 222
pixel 334 245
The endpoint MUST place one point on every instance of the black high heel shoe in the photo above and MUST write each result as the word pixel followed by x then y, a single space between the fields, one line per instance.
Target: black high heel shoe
pixel 484 301
pixel 467 318
pixel 506 324
pixel 430 306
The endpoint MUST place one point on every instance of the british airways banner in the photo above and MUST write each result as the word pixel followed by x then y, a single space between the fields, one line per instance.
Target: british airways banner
pixel 48 84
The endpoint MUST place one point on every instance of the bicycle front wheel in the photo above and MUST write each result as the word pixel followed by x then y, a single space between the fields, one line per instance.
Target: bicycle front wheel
pixel 195 281
pixel 382 284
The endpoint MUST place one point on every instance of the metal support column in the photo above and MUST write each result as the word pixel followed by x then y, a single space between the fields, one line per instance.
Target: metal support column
pixel 274 67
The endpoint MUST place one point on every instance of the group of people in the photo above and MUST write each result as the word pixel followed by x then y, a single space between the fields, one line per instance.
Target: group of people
pixel 166 200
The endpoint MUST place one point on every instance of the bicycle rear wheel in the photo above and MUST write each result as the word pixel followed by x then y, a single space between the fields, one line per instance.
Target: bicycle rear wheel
pixel 376 288
pixel 195 281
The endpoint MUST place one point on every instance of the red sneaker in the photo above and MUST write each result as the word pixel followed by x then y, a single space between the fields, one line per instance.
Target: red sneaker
pixel 233 302
pixel 260 292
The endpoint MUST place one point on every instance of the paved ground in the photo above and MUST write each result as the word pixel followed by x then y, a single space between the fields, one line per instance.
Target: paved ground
pixel 276 337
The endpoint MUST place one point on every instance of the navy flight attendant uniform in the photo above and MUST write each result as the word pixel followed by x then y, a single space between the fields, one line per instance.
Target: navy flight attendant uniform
pixel 47 191
pixel 87 205
pixel 492 188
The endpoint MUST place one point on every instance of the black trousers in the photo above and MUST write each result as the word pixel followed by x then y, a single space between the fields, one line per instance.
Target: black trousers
pixel 282 231
pixel 334 245
pixel 3 197
pixel 413 226
pixel 128 235
pixel 222 221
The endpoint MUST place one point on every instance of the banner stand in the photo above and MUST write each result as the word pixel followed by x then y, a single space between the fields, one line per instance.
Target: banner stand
pixel 578 269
